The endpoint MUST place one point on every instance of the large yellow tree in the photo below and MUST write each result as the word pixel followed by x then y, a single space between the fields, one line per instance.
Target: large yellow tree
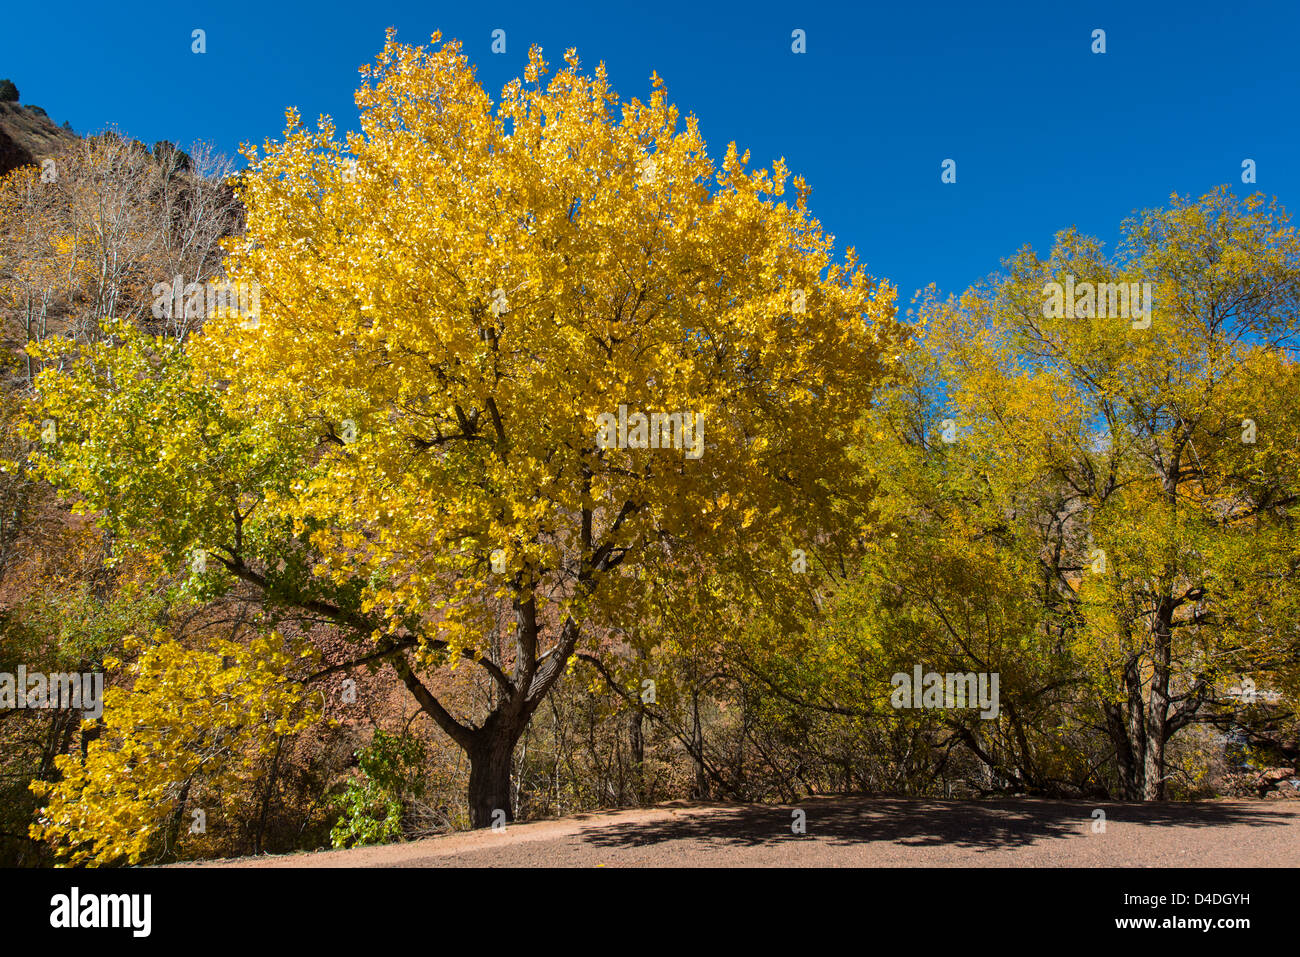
pixel 433 434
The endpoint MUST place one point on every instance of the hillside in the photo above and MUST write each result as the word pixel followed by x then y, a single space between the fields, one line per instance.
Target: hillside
pixel 27 135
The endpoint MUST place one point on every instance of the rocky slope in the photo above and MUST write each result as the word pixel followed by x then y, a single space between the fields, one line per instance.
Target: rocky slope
pixel 27 135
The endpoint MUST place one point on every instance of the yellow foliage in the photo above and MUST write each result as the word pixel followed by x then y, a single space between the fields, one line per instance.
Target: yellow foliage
pixel 193 720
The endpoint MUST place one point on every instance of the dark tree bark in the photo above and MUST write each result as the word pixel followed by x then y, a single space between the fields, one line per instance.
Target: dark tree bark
pixel 1126 723
pixel 259 835
pixel 697 749
pixel 490 761
pixel 636 746
pixel 1157 723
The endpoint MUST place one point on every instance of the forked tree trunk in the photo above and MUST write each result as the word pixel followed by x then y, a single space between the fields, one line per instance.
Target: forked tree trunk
pixel 1127 727
pixel 490 747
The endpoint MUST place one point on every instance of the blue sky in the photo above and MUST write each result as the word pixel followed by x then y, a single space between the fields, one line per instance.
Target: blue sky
pixel 1045 133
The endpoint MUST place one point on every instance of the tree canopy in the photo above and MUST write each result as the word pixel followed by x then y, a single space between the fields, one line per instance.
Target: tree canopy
pixel 405 440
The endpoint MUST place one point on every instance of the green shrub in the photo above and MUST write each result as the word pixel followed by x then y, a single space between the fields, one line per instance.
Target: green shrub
pixel 374 805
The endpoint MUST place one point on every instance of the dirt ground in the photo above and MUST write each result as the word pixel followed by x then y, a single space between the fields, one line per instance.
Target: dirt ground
pixel 861 832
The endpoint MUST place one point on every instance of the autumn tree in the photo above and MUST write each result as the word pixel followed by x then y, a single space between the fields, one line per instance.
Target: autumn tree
pixel 415 439
pixel 226 723
pixel 1131 414
pixel 1094 501
pixel 86 234
pixel 952 582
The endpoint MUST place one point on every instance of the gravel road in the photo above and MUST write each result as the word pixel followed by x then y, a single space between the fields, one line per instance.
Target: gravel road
pixel 861 832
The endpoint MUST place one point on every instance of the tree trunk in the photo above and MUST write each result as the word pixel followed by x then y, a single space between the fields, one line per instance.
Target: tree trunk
pixel 1157 717
pixel 1128 769
pixel 260 834
pixel 1127 727
pixel 1137 732
pixel 1153 782
pixel 701 792
pixel 636 743
pixel 490 747
pixel 489 779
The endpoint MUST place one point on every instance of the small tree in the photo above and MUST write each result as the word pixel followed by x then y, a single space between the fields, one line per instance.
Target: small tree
pixel 8 92
pixel 171 157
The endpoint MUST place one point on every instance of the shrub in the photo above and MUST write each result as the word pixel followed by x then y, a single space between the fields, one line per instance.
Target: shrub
pixel 374 806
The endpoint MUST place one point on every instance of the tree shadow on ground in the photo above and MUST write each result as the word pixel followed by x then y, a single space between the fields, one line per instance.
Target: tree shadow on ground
pixel 982 825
